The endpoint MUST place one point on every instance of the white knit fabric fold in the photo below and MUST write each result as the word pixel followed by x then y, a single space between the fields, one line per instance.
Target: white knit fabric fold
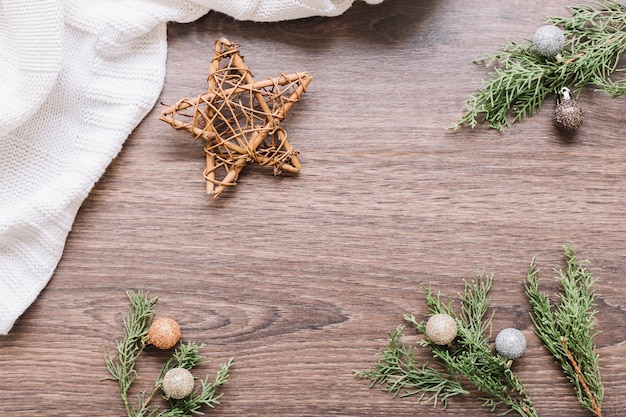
pixel 30 57
pixel 76 77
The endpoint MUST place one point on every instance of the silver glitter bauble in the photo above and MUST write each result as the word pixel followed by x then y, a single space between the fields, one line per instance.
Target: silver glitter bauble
pixel 511 343
pixel 441 329
pixel 548 41
pixel 178 383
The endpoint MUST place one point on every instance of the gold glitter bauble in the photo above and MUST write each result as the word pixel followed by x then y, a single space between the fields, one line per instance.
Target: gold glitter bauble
pixel 164 333
pixel 178 383
pixel 568 115
pixel 441 329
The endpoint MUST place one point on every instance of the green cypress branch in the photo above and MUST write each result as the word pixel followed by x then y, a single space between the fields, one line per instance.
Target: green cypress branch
pixel 136 326
pixel 206 396
pixel 468 358
pixel 520 79
pixel 121 366
pixel 185 356
pixel 566 328
pixel 400 374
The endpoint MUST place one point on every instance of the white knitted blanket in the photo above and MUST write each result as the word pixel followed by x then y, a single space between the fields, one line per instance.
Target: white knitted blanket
pixel 76 77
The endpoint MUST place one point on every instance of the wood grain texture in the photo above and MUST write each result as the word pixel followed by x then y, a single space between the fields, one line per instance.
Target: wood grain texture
pixel 300 277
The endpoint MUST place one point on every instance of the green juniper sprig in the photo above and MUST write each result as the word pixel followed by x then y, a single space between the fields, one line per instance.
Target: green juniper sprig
pixel 399 373
pixel 566 328
pixel 122 366
pixel 205 397
pixel 136 326
pixel 521 79
pixel 468 358
pixel 185 356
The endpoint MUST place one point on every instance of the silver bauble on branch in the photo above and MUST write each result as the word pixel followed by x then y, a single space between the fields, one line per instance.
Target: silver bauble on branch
pixel 548 41
pixel 511 343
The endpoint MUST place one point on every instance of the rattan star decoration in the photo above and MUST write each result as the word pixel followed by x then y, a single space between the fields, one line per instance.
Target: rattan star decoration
pixel 239 118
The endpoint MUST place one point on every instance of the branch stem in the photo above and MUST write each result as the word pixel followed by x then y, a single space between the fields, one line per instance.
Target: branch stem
pixel 581 379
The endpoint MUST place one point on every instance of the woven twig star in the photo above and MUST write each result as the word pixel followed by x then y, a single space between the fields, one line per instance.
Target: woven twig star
pixel 239 118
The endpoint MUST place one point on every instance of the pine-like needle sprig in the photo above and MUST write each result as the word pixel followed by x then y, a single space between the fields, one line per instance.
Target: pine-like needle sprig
pixel 566 328
pixel 206 396
pixel 468 358
pixel 401 374
pixel 520 80
pixel 122 366
pixel 136 326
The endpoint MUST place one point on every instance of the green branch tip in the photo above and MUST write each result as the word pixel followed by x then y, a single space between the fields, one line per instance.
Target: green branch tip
pixel 121 366
pixel 520 79
pixel 566 327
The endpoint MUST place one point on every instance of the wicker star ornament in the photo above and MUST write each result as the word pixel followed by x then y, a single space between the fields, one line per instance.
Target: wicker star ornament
pixel 239 118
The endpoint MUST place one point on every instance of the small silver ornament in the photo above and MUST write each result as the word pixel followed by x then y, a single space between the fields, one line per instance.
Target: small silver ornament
pixel 178 383
pixel 548 41
pixel 568 115
pixel 441 329
pixel 511 343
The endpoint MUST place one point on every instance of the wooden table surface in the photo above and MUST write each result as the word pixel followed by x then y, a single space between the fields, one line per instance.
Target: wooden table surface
pixel 300 277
